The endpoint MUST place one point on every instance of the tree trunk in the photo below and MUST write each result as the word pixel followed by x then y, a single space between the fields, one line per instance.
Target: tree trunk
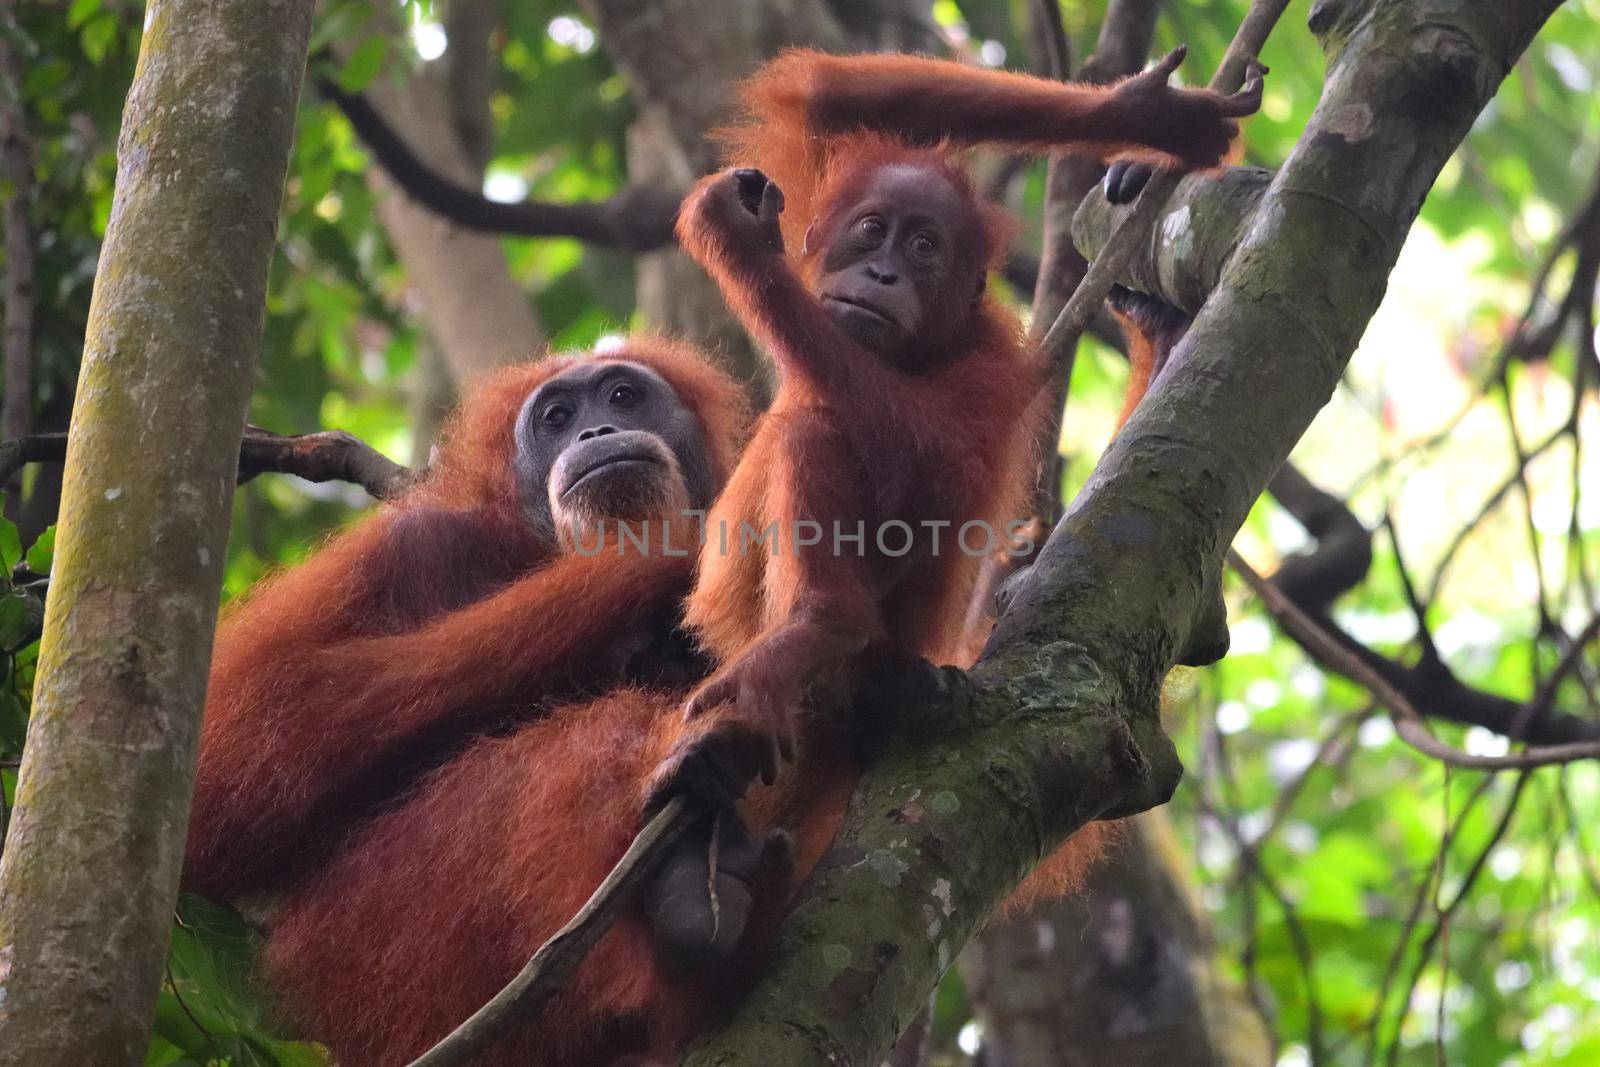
pixel 1124 972
pixel 90 871
pixel 474 311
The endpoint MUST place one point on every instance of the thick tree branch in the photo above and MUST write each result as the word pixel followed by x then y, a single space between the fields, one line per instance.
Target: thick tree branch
pixel 471 68
pixel 1180 258
pixel 1058 723
pixel 635 220
pixel 1343 553
pixel 1200 225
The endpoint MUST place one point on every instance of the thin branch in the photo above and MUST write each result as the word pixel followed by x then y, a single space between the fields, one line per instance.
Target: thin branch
pixel 548 968
pixel 1586 865
pixel 1408 722
pixel 1439 928
pixel 1419 608
pixel 637 219
pixel 328 456
pixel 1331 753
pixel 1254 867
pixel 1121 48
pixel 1425 891
pixel 1571 660
pixel 1339 563
pixel 35 448
pixel 1547 625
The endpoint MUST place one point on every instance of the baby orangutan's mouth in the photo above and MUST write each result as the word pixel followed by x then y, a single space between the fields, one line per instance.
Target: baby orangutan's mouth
pixel 857 304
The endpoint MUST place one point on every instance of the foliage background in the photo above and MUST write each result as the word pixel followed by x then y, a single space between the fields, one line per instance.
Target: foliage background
pixel 1324 846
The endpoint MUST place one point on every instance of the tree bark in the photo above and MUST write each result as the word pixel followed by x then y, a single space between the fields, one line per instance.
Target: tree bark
pixel 1058 723
pixel 1194 234
pixel 1201 223
pixel 90 871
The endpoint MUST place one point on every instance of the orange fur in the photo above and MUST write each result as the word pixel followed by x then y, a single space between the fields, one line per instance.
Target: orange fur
pixel 438 616
pixel 805 109
pixel 852 438
pixel 433 904
pixel 437 903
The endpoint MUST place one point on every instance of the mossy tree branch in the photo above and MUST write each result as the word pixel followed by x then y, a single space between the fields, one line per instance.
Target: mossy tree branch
pixel 1194 234
pixel 90 871
pixel 1057 725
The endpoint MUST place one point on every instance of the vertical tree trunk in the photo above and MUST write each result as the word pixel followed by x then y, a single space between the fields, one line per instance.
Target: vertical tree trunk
pixel 90 870
pixel 474 310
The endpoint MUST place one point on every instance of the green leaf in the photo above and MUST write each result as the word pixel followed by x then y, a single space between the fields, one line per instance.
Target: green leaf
pixel 43 551
pixel 98 36
pixel 364 64
pixel 207 1008
pixel 80 11
pixel 10 546
pixel 163 1053
pixel 15 619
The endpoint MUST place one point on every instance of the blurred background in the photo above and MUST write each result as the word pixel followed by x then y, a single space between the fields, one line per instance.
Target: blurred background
pixel 1318 892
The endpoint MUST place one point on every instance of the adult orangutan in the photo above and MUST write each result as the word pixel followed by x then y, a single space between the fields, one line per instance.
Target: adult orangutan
pixel 461 608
